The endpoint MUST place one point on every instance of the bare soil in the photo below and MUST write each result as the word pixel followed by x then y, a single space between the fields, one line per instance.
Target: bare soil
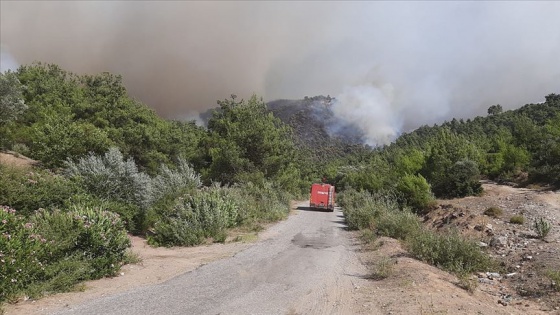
pixel 15 159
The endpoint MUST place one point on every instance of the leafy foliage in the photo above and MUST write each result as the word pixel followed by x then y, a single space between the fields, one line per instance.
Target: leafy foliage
pixel 208 212
pixel 111 177
pixel 52 251
pixel 542 227
pixel 28 190
pixel 383 215
pixel 449 251
pixel 247 143
pixel 70 116
pixel 416 192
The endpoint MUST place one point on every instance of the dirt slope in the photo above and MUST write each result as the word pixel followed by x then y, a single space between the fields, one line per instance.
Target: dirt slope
pixel 13 159
pixel 525 258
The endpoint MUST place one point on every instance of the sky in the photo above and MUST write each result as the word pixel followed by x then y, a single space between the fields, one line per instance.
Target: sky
pixel 392 66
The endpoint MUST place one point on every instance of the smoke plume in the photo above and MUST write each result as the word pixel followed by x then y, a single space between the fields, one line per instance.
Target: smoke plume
pixel 392 66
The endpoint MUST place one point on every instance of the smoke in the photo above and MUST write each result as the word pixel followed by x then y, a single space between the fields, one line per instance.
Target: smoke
pixel 392 66
pixel 7 62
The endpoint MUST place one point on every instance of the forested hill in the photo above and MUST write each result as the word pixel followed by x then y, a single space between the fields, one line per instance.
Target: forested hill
pixel 514 144
pixel 521 146
pixel 317 130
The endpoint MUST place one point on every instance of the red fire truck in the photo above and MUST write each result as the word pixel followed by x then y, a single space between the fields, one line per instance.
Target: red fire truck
pixel 322 197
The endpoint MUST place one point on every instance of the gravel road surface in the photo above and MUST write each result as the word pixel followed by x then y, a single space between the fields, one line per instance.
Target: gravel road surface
pixel 304 265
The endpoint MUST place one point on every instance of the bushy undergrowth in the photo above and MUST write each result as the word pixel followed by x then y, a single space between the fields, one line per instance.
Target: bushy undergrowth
pixel 359 208
pixel 98 236
pixel 208 212
pixel 542 227
pixel 111 177
pixel 174 182
pixel 416 192
pixel 261 203
pixel 52 251
pixel 118 185
pixel 195 217
pixel 447 250
pixel 23 253
pixel 30 189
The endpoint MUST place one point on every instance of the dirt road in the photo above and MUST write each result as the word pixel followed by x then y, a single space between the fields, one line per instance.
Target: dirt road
pixel 305 265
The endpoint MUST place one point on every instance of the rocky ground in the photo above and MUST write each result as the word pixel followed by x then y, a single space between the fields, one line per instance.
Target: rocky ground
pixel 525 258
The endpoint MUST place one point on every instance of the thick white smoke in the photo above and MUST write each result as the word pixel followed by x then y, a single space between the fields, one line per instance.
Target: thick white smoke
pixel 392 66
pixel 372 109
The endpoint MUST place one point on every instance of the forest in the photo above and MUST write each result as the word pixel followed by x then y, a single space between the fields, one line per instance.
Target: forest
pixel 110 166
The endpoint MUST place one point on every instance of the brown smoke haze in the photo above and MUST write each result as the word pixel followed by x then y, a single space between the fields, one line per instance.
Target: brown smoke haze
pixel 393 66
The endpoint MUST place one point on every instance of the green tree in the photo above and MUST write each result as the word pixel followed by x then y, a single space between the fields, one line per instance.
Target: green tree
pixel 495 109
pixel 245 138
pixel 416 192
pixel 463 179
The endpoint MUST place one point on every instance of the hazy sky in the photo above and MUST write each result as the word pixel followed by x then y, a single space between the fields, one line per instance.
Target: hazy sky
pixel 393 66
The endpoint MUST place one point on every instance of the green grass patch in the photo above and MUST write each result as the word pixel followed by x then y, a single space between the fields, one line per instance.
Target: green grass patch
pixel 517 219
pixel 494 212
pixel 383 268
pixel 554 276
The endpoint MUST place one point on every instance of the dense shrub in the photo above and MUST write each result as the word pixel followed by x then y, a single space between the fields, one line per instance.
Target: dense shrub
pixel 22 253
pixel 128 212
pixel 261 202
pixel 174 182
pixel 112 178
pixel 203 214
pixel 416 192
pixel 463 179
pixel 30 189
pixel 359 208
pixel 383 215
pixel 449 251
pixel 378 212
pixel 395 223
pixel 52 251
pixel 208 212
pixel 11 97
pixel 96 235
